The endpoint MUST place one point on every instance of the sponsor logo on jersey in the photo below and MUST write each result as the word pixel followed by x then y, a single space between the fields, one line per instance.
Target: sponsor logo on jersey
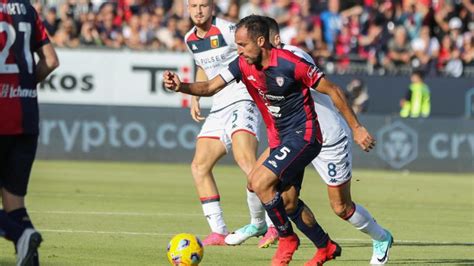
pixel 274 97
pixel 194 47
pixel 215 41
pixel 251 78
pixel 10 91
pixel 311 71
pixel 280 81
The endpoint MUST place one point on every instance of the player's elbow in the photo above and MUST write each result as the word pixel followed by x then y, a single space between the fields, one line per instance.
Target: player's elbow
pixel 52 63
pixel 207 93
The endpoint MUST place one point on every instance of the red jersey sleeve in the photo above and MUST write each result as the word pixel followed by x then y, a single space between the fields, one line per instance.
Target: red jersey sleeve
pixel 40 37
pixel 307 73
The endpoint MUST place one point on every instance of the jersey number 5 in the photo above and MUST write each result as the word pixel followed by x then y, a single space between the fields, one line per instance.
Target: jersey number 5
pixel 25 28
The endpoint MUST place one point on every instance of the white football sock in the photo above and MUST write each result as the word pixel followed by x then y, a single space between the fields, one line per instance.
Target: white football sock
pixel 363 221
pixel 268 220
pixel 257 212
pixel 215 219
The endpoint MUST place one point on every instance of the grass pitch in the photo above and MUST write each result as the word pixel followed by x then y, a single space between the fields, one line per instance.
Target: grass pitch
pixel 124 214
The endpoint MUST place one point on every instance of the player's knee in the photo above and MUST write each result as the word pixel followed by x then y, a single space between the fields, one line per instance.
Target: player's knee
pixel 256 184
pixel 343 210
pixel 199 170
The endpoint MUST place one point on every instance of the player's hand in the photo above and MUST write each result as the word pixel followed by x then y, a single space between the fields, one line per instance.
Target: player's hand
pixel 171 80
pixel 363 138
pixel 196 110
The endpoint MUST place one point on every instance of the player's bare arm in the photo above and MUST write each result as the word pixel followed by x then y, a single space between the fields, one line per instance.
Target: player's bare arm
pixel 361 136
pixel 206 88
pixel 48 61
pixel 195 109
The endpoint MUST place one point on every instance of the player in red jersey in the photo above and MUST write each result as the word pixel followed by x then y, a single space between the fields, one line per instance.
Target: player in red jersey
pixel 279 83
pixel 21 35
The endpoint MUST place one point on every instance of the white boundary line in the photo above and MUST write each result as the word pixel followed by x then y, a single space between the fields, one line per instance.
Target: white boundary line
pixel 126 213
pixel 71 231
pixel 158 214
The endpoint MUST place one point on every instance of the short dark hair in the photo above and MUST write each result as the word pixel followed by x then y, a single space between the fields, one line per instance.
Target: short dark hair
pixel 272 25
pixel 418 72
pixel 256 26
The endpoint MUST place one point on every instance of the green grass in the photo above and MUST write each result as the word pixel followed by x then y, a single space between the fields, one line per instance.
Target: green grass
pixel 124 214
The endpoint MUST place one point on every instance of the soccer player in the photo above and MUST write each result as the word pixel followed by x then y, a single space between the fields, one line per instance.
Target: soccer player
pixel 21 35
pixel 334 163
pixel 231 124
pixel 280 82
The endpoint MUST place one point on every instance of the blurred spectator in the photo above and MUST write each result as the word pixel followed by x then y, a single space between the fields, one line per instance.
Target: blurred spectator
pixel 170 37
pixel 38 6
pixel 232 13
pixel 291 30
pixel 455 25
pixel 132 34
pixel 370 46
pixel 426 51
pixel 281 11
pixel 468 50
pixel 358 96
pixel 417 101
pixel 412 17
pixel 110 34
pixel 51 22
pixel 89 35
pixel 454 67
pixel 67 35
pixel 249 8
pixel 332 21
pixel 399 50
pixel 270 9
pixel 449 59
pixel 343 36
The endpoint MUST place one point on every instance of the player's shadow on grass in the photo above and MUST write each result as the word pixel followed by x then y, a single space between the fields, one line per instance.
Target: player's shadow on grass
pixel 409 261
pixel 7 262
pixel 432 261
pixel 403 244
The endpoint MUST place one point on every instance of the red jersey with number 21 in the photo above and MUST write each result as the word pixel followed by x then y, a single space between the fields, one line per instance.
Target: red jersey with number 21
pixel 21 34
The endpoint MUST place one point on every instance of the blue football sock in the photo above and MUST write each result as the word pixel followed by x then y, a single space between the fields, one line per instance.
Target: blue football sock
pixel 21 216
pixel 276 211
pixel 314 232
pixel 12 229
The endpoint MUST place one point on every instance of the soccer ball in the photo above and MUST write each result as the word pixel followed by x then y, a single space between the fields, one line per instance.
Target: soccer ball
pixel 185 250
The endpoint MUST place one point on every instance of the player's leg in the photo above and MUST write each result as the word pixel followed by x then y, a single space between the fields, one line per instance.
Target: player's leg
pixel 244 146
pixel 16 173
pixel 284 161
pixel 271 236
pixel 362 220
pixel 334 165
pixel 264 182
pixel 242 125
pixel 306 222
pixel 208 152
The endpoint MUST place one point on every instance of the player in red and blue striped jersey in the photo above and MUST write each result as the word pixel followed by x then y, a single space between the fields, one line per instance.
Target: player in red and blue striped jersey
pixel 279 83
pixel 21 35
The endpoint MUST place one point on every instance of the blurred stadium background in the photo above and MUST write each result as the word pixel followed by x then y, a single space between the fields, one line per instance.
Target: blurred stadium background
pixel 106 103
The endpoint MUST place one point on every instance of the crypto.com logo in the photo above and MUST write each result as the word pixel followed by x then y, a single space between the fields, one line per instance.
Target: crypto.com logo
pixel 397 144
